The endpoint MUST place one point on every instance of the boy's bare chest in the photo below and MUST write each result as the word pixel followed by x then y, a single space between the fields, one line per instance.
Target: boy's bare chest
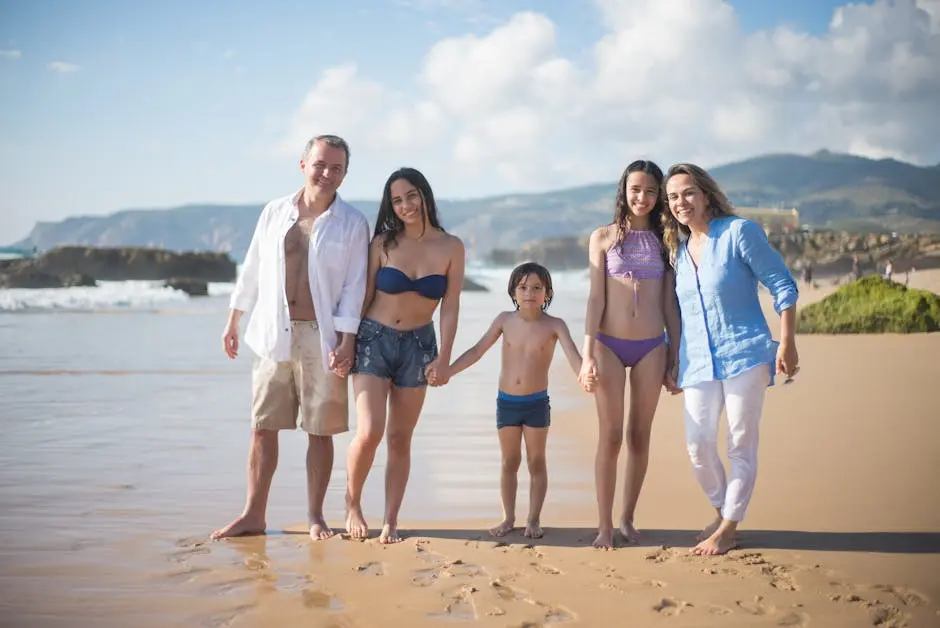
pixel 528 343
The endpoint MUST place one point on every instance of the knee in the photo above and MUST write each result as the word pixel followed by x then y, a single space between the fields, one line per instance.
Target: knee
pixel 610 441
pixel 638 440
pixel 398 442
pixel 510 464
pixel 536 464
pixel 369 439
pixel 702 450
pixel 264 437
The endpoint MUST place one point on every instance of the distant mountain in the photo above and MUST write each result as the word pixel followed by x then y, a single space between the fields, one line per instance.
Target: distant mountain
pixel 830 190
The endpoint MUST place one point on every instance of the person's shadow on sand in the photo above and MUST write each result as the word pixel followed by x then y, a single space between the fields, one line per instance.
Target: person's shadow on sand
pixel 879 542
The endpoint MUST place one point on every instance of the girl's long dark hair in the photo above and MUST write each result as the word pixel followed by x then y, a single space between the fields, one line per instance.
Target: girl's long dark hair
pixel 622 209
pixel 390 225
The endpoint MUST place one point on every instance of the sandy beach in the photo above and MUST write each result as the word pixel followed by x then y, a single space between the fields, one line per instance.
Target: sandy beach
pixel 843 529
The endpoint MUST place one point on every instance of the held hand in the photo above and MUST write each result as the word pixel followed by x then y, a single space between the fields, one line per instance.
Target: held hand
pixel 437 373
pixel 343 356
pixel 671 378
pixel 230 340
pixel 788 360
pixel 588 375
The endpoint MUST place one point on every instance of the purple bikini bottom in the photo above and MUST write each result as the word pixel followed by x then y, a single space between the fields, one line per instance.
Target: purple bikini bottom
pixel 630 352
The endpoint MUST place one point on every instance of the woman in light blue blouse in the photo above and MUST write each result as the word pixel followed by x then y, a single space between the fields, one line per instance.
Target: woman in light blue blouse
pixel 727 355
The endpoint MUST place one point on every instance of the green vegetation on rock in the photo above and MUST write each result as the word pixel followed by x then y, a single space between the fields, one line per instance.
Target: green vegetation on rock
pixel 872 305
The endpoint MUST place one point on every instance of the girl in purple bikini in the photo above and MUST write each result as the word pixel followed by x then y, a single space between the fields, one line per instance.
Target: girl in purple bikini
pixel 631 303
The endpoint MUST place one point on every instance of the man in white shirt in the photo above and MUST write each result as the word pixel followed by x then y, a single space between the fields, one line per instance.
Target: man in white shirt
pixel 302 283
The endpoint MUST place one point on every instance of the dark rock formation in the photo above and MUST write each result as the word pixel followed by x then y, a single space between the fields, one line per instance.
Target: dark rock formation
pixel 82 265
pixel 470 285
pixel 192 287
pixel 553 253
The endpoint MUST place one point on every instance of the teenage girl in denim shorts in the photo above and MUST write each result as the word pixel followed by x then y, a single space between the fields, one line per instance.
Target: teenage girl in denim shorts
pixel 414 267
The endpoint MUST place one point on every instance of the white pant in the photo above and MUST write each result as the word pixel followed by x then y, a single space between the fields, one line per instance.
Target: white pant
pixel 742 397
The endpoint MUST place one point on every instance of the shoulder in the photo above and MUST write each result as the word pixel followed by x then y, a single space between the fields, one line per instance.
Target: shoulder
pixel 743 228
pixel 555 322
pixel 278 206
pixel 349 213
pixel 378 241
pixel 452 243
pixel 503 317
pixel 603 235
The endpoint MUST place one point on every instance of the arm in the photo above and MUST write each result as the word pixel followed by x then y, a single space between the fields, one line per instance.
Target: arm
pixel 597 300
pixel 348 311
pixel 673 329
pixel 375 262
pixel 770 269
pixel 349 308
pixel 245 295
pixel 450 308
pixel 568 346
pixel 767 265
pixel 472 355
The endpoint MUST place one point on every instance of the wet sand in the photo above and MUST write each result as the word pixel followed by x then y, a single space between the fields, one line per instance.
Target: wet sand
pixel 100 529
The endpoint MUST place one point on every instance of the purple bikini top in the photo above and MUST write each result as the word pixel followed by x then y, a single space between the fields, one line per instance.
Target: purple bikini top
pixel 638 257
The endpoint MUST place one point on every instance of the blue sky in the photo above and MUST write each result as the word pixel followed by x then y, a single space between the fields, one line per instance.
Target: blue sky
pixel 110 105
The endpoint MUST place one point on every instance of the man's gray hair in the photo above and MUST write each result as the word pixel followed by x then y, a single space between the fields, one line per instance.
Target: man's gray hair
pixel 334 141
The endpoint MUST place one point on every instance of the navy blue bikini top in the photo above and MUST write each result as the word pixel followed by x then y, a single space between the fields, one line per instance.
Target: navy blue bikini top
pixel 394 281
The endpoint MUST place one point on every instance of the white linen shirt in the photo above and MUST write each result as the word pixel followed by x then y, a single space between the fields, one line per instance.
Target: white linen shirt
pixel 338 265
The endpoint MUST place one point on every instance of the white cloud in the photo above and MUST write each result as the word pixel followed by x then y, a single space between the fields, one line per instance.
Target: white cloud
pixel 669 81
pixel 62 67
pixel 11 54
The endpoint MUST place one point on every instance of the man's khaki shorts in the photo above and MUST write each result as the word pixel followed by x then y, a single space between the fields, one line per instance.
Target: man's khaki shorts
pixel 281 389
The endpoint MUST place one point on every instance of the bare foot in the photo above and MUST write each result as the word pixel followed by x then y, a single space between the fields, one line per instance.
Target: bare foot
pixel 241 526
pixel 319 531
pixel 389 535
pixel 356 524
pixel 505 527
pixel 717 543
pixel 629 533
pixel 709 530
pixel 533 530
pixel 604 540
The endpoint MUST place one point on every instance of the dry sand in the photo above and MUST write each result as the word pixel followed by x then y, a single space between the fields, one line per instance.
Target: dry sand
pixel 843 530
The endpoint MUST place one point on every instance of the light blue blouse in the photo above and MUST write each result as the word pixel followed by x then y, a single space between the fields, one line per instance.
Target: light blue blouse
pixel 724 332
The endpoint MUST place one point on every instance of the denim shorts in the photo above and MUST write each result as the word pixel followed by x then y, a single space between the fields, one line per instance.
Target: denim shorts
pixel 400 356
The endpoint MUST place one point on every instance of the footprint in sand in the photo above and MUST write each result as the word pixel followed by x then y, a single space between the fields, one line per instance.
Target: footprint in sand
pixel 662 555
pixel 907 597
pixel 547 569
pixel 181 556
pixel 670 606
pixel 314 598
pixel 757 607
pixel 795 618
pixel 459 605
pixel 780 577
pixel 715 609
pixel 551 614
pixel 888 616
pixel 371 569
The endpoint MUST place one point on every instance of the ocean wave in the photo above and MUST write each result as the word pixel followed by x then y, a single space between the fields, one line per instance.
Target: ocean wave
pixel 107 295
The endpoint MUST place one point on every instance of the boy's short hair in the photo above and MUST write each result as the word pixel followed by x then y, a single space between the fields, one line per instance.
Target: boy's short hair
pixel 520 272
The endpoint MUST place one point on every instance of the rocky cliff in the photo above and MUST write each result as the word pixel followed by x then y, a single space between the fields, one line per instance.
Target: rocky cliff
pixel 82 265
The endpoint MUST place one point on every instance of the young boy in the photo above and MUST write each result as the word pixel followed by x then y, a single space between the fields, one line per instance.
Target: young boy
pixel 522 405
